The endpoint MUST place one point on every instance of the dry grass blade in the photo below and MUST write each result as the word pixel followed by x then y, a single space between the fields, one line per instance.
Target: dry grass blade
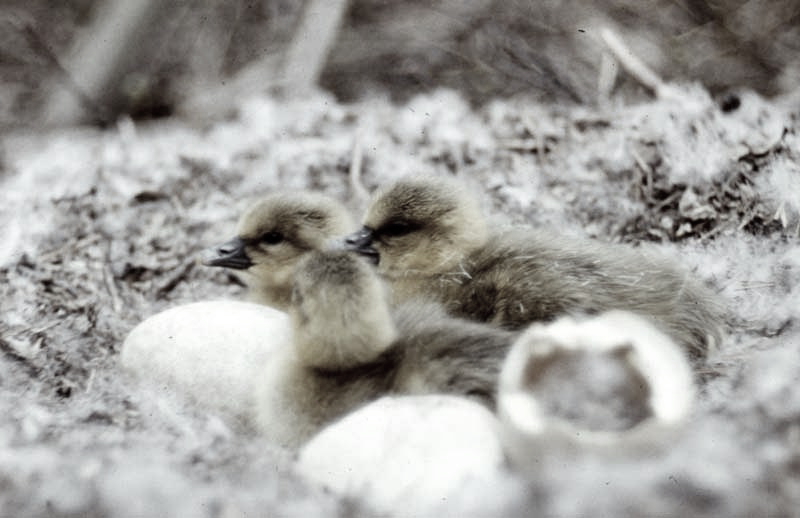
pixel 97 59
pixel 635 66
pixel 311 43
pixel 67 80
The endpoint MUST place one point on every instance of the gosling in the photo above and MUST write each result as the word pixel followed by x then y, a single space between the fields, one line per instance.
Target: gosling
pixel 350 349
pixel 273 235
pixel 429 238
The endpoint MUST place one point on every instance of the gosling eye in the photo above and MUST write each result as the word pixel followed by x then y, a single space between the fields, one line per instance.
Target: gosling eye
pixel 271 238
pixel 399 228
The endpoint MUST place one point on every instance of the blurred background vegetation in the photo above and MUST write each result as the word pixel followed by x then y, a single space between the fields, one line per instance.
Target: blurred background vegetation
pixel 151 59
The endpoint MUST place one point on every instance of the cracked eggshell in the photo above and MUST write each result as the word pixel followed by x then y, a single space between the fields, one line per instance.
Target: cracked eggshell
pixel 530 434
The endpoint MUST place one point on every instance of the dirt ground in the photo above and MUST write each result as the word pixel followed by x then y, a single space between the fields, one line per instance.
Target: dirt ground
pixel 100 229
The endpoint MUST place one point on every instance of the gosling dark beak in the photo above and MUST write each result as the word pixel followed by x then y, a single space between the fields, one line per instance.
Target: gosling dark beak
pixel 361 243
pixel 230 255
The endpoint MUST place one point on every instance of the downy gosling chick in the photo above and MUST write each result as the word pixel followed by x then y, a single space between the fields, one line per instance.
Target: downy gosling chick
pixel 273 235
pixel 429 238
pixel 349 350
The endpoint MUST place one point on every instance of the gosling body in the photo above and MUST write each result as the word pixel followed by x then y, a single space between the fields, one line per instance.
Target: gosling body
pixel 429 238
pixel 524 276
pixel 349 350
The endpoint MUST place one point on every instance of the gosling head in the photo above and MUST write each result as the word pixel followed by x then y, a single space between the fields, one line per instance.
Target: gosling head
pixel 273 235
pixel 339 311
pixel 420 226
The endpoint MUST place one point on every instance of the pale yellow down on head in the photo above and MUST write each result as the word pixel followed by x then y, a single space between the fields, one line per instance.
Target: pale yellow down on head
pixel 274 234
pixel 424 225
